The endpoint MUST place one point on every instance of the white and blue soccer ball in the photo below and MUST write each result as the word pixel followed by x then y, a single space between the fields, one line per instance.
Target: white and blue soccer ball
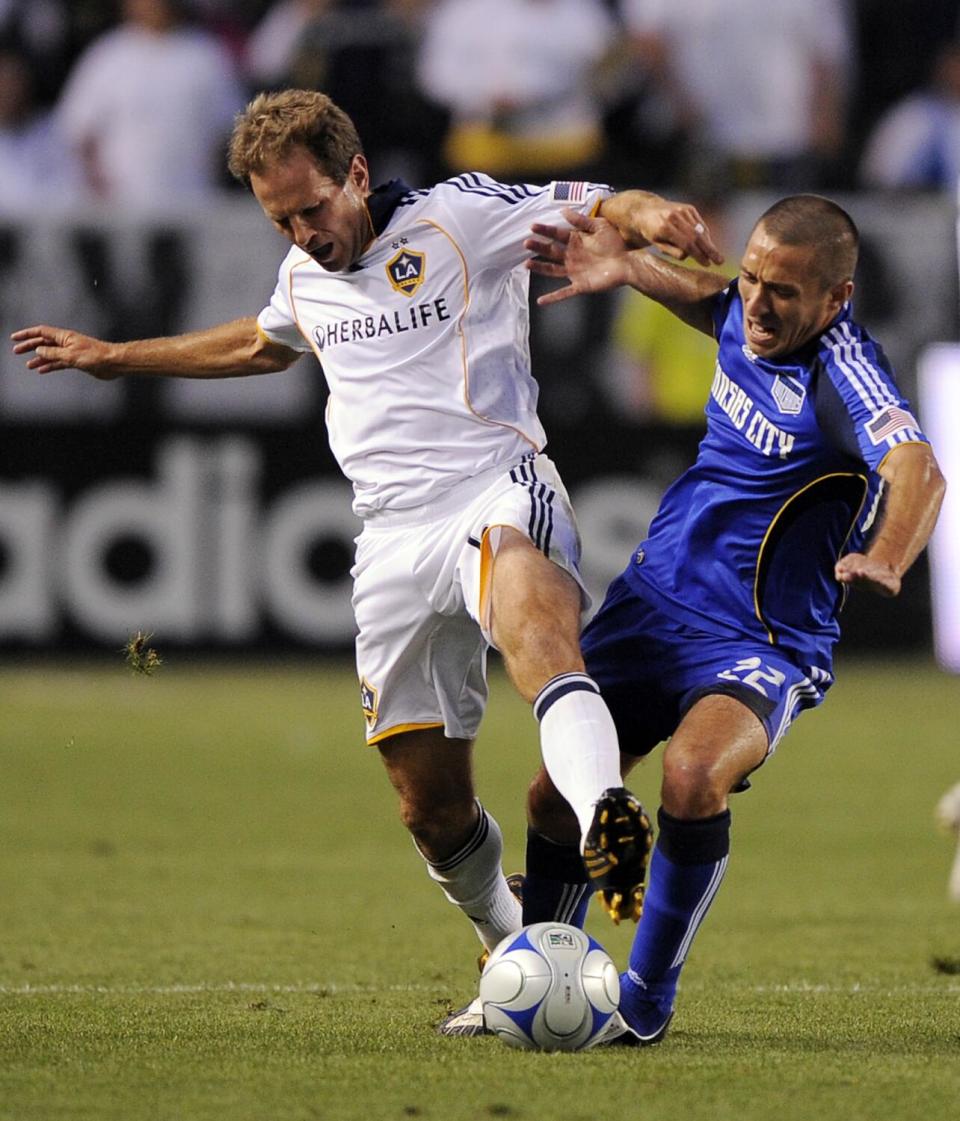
pixel 549 987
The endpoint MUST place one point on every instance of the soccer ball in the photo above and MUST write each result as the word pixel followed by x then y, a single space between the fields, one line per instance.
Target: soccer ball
pixel 549 987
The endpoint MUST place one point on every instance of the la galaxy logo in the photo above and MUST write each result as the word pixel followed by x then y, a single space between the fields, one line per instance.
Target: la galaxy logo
pixel 789 394
pixel 407 270
pixel 368 702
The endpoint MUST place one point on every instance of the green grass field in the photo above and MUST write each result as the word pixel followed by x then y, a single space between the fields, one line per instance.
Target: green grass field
pixel 208 909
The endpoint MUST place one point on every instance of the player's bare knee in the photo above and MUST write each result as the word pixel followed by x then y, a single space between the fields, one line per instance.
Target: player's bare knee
pixel 695 784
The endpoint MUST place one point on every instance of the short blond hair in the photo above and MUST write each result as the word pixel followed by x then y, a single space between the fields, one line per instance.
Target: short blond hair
pixel 273 124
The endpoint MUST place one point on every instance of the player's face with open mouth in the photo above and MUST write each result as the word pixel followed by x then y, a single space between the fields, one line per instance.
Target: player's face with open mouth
pixel 326 219
pixel 785 301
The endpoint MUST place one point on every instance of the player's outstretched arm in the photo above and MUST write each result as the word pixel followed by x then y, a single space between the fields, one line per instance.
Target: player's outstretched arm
pixel 594 257
pixel 913 495
pixel 229 350
pixel 675 228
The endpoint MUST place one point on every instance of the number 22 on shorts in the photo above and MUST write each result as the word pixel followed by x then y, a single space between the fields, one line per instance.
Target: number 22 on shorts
pixel 752 672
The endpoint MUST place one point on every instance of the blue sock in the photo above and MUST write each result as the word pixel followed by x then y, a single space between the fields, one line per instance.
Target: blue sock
pixel 555 886
pixel 686 871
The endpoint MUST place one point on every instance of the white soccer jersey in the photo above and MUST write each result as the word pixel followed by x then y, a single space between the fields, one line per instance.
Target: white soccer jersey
pixel 424 341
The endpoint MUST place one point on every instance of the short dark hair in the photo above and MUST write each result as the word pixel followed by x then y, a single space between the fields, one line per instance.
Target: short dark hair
pixel 273 124
pixel 821 224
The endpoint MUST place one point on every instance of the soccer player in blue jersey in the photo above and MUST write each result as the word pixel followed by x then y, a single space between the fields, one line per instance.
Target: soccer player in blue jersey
pixel 813 478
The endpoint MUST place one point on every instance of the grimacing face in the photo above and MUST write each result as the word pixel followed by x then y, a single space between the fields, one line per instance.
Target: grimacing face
pixel 785 302
pixel 328 220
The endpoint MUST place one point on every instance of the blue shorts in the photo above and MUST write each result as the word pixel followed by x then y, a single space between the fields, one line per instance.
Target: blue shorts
pixel 651 670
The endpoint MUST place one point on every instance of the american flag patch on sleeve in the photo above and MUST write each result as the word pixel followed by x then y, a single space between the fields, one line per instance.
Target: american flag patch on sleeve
pixel 569 192
pixel 888 423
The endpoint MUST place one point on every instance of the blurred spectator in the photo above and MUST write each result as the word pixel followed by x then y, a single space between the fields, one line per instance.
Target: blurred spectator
pixel 361 53
pixel 895 43
pixel 231 21
pixel 147 107
pixel 276 41
pixel 916 143
pixel 42 29
pixel 516 78
pixel 658 371
pixel 759 86
pixel 35 165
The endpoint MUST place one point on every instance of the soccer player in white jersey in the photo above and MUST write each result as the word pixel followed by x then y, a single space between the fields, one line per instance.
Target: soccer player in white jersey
pixel 415 303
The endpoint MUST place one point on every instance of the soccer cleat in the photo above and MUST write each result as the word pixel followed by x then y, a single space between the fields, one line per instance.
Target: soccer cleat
pixel 515 884
pixel 615 853
pixel 468 1021
pixel 618 1033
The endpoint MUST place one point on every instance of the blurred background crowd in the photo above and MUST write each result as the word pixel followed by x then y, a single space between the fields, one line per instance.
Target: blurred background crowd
pixel 117 216
pixel 130 100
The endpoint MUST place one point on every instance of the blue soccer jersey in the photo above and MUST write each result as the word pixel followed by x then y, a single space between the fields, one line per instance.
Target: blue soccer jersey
pixel 785 482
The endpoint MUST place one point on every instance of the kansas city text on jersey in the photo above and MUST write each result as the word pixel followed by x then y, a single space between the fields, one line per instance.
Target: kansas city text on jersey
pixel 757 428
pixel 746 541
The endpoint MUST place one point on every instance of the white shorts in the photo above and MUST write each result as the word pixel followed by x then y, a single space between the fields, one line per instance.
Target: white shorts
pixel 421 597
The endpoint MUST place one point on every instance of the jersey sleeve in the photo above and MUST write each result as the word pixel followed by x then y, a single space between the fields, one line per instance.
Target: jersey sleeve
pixel 493 219
pixel 277 320
pixel 880 416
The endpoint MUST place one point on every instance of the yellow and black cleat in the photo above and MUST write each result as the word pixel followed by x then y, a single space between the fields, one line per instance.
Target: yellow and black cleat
pixel 619 906
pixel 616 853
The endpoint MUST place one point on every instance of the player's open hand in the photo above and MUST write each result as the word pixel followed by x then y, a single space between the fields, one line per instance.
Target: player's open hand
pixel 678 230
pixel 592 255
pixel 55 348
pixel 860 570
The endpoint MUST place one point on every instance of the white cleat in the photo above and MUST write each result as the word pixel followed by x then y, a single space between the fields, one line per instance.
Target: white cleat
pixel 618 1033
pixel 466 1021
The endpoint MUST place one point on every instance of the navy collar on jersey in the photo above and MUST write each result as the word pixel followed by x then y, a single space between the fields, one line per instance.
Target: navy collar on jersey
pixel 383 201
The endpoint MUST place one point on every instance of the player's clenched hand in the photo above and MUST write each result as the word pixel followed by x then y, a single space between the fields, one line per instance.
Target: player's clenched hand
pixel 55 348
pixel 592 255
pixel 858 569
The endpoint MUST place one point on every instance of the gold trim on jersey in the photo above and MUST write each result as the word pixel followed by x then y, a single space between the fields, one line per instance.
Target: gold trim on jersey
pixel 773 524
pixel 398 729
pixel 886 454
pixel 463 339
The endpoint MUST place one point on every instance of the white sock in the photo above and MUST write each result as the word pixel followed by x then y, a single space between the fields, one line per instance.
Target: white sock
pixel 473 879
pixel 578 741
